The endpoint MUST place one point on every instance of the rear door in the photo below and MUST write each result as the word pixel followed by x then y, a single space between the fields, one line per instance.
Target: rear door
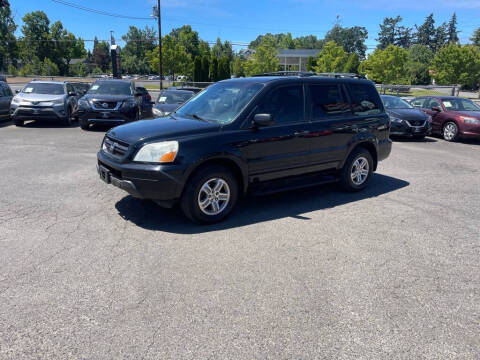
pixel 281 149
pixel 331 122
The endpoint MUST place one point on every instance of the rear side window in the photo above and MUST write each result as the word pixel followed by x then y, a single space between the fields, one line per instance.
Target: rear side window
pixel 418 103
pixel 432 103
pixel 365 99
pixel 285 104
pixel 327 101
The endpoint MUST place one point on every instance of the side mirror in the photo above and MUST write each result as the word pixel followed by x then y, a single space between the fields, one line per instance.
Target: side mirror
pixel 436 108
pixel 263 120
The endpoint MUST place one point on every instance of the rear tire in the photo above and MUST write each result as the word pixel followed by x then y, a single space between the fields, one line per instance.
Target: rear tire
pixel 210 195
pixel 68 120
pixel 357 171
pixel 84 125
pixel 18 122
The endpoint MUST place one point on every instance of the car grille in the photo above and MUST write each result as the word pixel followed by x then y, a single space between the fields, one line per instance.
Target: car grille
pixel 416 123
pixel 115 148
pixel 105 105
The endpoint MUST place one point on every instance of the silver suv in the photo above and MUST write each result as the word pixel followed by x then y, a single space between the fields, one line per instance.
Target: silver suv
pixel 44 100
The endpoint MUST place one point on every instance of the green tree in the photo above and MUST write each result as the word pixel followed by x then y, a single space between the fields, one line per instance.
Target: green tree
pixel 79 69
pixel 475 39
pixel 132 64
pixel 65 47
pixel 420 58
pixel 388 32
pixel 8 43
pixel 205 68
pixel 101 54
pixel 386 66
pixel 311 63
pixel 332 58
pixel 175 59
pixel 214 70
pixel 139 41
pixel 426 33
pixel 224 68
pixel 263 60
pixel 287 42
pixel 238 67
pixel 12 70
pixel 197 69
pixel 455 64
pixel 452 29
pixel 308 42
pixel 49 68
pixel 440 38
pixel 187 38
pixel 404 37
pixel 36 36
pixel 352 64
pixel 351 39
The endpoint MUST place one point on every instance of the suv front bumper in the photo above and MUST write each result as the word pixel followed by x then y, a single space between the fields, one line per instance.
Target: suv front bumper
pixel 22 112
pixel 161 183
pixel 108 116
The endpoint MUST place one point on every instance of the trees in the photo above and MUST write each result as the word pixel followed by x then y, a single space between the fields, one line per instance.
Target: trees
pixel 452 29
pixel 456 64
pixel 197 69
pixel 214 70
pixel 352 64
pixel 332 58
pixel 475 39
pixel 49 68
pixel 137 43
pixel 311 63
pixel 351 39
pixel 36 36
pixel 426 33
pixel 308 42
pixel 175 58
pixel 8 43
pixel 386 66
pixel 65 47
pixel 420 58
pixel 388 32
pixel 238 67
pixel 440 38
pixel 223 68
pixel 205 68
pixel 263 60
pixel 187 38
pixel 101 54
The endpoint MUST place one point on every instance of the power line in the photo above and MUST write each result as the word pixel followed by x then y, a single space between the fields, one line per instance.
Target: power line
pixel 100 12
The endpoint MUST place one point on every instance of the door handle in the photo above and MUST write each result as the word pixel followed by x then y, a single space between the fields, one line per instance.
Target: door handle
pixel 300 133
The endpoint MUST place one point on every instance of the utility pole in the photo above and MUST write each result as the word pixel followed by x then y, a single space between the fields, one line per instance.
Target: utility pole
pixel 157 13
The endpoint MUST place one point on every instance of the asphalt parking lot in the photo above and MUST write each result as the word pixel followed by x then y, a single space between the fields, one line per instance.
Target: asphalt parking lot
pixel 88 272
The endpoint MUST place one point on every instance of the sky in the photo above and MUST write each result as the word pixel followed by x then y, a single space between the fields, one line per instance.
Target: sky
pixel 240 21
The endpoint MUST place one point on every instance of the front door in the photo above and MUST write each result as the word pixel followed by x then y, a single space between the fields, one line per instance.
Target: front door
pixel 437 118
pixel 281 149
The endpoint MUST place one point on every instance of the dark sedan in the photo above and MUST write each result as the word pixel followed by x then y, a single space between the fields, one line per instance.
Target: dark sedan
pixel 405 119
pixel 170 100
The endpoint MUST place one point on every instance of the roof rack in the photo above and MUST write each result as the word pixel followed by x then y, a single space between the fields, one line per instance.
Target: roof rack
pixel 342 75
pixel 287 73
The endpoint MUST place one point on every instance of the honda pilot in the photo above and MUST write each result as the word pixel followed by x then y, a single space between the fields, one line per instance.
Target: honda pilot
pixel 250 135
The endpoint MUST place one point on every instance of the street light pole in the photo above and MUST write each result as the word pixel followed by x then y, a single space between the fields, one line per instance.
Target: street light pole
pixel 160 44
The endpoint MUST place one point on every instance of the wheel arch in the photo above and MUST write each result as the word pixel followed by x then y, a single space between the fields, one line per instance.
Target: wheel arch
pixel 370 147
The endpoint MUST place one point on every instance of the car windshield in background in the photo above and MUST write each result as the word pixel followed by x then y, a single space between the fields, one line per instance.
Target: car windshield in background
pixel 173 97
pixel 111 88
pixel 395 103
pixel 221 102
pixel 44 88
pixel 460 105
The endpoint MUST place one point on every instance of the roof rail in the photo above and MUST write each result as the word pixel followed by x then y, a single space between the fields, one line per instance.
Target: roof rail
pixel 287 73
pixel 342 75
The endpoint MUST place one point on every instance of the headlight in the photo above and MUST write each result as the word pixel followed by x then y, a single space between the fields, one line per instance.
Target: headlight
pixel 128 103
pixel 157 112
pixel 162 152
pixel 396 120
pixel 16 100
pixel 83 104
pixel 469 120
pixel 57 102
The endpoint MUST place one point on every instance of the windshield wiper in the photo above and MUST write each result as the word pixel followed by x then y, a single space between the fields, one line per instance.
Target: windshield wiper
pixel 195 116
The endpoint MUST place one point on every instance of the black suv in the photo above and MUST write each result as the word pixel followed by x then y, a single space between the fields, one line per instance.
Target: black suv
pixel 109 102
pixel 258 134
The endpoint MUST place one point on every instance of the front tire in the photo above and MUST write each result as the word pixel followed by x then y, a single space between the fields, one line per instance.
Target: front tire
pixel 68 120
pixel 84 125
pixel 210 195
pixel 18 122
pixel 357 171
pixel 450 131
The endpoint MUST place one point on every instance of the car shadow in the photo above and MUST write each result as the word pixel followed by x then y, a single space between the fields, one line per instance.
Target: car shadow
pixel 252 210
pixel 5 123
pixel 401 139
pixel 33 124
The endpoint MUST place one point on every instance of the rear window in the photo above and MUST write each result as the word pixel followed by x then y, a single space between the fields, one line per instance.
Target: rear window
pixel 327 101
pixel 365 99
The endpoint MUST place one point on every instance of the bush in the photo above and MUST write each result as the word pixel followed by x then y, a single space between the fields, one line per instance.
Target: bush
pixel 12 70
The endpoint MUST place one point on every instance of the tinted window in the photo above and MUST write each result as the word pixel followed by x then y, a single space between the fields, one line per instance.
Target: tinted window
pixel 44 88
pixel 432 103
pixel 365 99
pixel 327 101
pixel 391 102
pixel 173 97
pixel 285 104
pixel 460 105
pixel 418 102
pixel 111 88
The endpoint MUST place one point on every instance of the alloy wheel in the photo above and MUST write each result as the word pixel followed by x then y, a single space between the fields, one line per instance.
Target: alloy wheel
pixel 214 196
pixel 450 131
pixel 360 171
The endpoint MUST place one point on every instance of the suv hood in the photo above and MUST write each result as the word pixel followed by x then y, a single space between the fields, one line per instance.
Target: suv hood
pixel 38 97
pixel 161 128
pixel 102 97
pixel 407 114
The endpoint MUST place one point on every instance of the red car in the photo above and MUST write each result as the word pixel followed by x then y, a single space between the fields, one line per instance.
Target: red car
pixel 452 117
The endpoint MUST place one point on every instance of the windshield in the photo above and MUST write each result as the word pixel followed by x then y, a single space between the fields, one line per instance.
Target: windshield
pixel 395 103
pixel 221 102
pixel 44 88
pixel 460 105
pixel 111 88
pixel 173 97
